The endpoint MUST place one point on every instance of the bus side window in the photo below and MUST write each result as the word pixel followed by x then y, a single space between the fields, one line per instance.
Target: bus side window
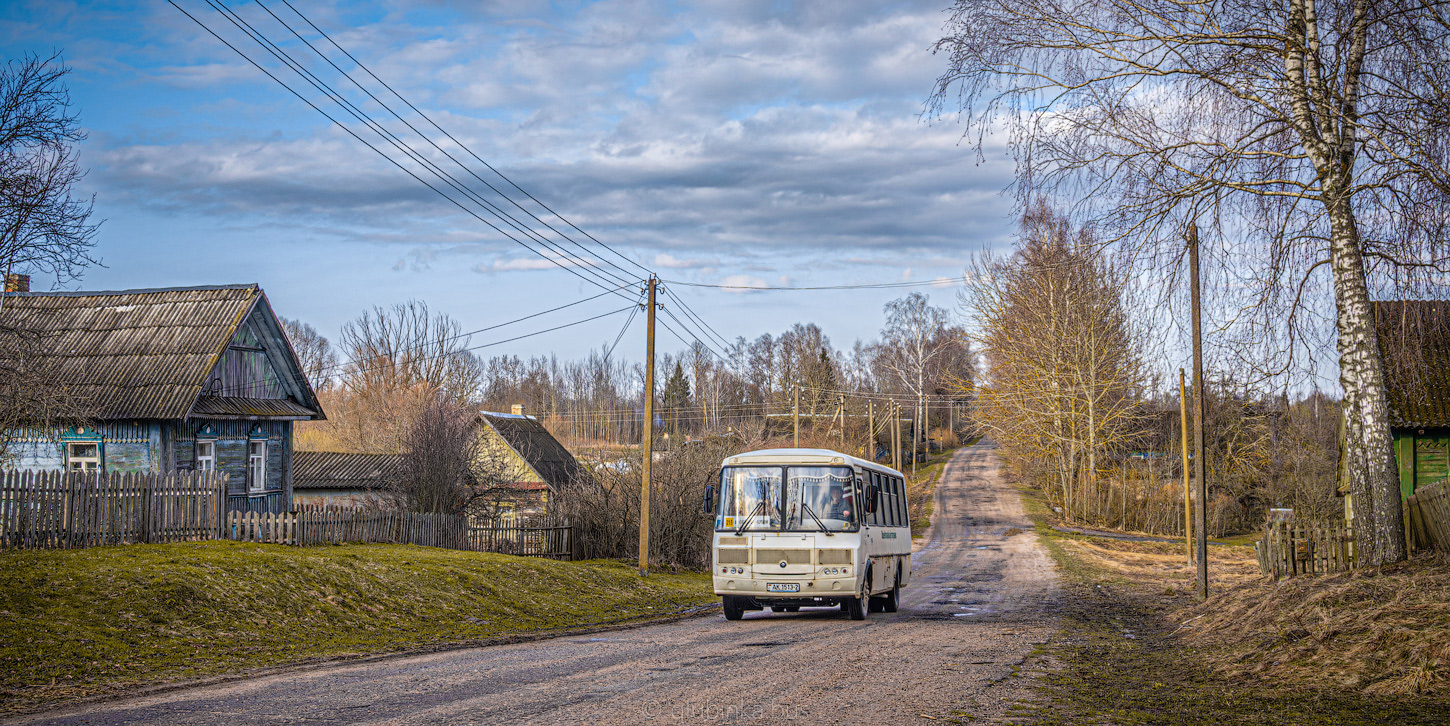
pixel 901 504
pixel 883 510
pixel 898 501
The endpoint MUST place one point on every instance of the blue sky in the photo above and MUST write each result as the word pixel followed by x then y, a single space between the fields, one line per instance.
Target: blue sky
pixel 715 141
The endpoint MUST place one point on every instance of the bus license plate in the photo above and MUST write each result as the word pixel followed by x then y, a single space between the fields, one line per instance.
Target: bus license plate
pixel 782 587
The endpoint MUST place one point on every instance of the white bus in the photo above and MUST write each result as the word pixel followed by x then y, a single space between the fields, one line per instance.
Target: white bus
pixel 808 527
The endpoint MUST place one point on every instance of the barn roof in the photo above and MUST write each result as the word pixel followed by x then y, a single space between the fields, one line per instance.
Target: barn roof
pixel 337 470
pixel 144 354
pixel 539 449
pixel 1414 339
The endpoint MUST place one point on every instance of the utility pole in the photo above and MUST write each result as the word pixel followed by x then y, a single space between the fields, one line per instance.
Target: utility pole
pixel 871 430
pixel 843 423
pixel 916 434
pixel 896 436
pixel 1187 496
pixel 647 449
pixel 1199 454
pixel 796 415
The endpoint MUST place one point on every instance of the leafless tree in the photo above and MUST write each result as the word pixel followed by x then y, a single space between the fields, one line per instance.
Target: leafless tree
pixel 35 401
pixel 1064 381
pixel 43 228
pixel 447 468
pixel 314 352
pixel 1308 133
pixel 917 343
pixel 406 347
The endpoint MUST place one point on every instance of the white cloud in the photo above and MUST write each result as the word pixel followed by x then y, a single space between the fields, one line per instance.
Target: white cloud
pixel 670 262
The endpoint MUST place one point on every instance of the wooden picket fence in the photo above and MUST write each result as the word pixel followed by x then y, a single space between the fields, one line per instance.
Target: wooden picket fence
pixel 544 539
pixel 1427 519
pixel 337 526
pixel 1287 549
pixel 56 509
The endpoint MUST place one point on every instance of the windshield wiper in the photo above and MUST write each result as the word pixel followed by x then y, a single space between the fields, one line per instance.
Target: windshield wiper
pixel 819 523
pixel 744 522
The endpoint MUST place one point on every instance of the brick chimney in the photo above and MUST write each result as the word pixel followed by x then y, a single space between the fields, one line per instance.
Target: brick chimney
pixel 518 409
pixel 17 283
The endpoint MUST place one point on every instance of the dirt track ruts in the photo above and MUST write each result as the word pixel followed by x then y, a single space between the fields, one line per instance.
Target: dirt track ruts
pixel 979 600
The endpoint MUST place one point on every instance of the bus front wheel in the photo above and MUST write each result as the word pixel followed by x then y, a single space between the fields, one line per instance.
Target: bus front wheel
pixel 856 606
pixel 734 609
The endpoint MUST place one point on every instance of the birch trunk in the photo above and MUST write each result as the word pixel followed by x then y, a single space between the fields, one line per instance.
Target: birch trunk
pixel 1370 456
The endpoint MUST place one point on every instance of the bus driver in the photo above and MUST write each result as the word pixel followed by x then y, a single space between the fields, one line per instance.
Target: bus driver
pixel 837 507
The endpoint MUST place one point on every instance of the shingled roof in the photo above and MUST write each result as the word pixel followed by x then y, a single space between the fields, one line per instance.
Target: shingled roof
pixel 336 470
pixel 1414 339
pixel 543 453
pixel 141 354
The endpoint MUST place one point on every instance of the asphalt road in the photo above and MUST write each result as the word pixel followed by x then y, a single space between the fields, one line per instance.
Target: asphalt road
pixel 979 600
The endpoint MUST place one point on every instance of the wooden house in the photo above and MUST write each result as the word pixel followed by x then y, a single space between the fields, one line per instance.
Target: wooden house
pixel 333 479
pixel 1414 338
pixel 537 463
pixel 195 378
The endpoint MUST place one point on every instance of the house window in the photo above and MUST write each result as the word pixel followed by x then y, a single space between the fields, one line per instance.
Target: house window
pixel 83 456
pixel 257 465
pixel 206 456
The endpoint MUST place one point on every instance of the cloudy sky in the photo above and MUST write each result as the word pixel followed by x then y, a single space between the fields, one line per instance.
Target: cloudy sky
pixel 718 142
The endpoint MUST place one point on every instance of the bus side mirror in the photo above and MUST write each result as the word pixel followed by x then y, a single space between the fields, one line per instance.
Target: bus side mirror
pixel 873 495
pixel 710 499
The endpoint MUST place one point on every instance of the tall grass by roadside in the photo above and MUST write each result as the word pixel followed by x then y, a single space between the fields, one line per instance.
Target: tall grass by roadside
pixel 100 620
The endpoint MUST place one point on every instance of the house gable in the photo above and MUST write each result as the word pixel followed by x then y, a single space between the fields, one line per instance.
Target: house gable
pixel 257 374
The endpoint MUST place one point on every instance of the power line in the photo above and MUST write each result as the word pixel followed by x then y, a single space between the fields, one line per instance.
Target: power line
pixel 425 137
pixel 886 285
pixel 627 322
pixel 354 134
pixel 394 363
pixel 461 145
pixel 412 154
pixel 499 325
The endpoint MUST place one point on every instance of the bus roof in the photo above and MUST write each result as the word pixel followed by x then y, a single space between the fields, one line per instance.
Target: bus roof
pixel 804 456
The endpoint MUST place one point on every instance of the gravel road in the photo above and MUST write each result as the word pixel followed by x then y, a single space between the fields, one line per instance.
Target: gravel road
pixel 979 600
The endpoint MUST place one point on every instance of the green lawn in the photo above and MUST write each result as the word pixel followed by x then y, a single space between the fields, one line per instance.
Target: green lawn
pixel 95 621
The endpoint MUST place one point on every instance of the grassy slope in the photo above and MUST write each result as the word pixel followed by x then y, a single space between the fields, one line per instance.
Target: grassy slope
pixel 1121 657
pixel 96 621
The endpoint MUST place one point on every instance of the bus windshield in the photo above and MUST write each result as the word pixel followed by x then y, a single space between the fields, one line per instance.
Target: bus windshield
pixel 820 497
pixel 813 498
pixel 750 498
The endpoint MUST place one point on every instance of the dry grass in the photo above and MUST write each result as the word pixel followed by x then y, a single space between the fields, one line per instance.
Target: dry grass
pixel 1377 631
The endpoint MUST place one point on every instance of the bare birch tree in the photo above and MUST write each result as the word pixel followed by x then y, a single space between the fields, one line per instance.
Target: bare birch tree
pixel 915 342
pixel 1312 133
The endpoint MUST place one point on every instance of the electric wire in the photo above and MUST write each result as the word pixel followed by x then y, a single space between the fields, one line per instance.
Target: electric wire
pixel 428 139
pixel 392 363
pixel 461 145
pixel 496 326
pixel 402 146
pixel 863 286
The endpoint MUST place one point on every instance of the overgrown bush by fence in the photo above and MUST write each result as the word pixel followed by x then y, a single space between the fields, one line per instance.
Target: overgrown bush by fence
pixel 55 509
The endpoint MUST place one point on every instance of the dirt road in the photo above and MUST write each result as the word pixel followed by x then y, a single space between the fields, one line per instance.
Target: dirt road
pixel 979 600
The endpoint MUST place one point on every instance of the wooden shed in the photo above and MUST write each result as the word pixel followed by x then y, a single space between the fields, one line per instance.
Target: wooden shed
pixel 172 379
